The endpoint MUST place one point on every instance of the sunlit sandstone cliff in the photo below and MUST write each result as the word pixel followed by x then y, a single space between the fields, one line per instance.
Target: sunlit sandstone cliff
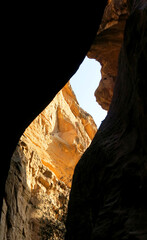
pixel 41 170
pixel 61 133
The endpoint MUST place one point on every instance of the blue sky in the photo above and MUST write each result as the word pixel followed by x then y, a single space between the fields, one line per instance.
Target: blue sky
pixel 84 83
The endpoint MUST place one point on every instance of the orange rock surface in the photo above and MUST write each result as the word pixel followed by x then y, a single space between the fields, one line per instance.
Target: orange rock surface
pixel 39 179
pixel 106 48
pixel 61 133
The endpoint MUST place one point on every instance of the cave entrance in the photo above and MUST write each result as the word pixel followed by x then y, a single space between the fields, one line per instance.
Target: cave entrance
pixel 84 83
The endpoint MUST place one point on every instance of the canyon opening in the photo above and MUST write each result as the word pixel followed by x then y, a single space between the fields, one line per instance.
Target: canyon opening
pixel 108 197
pixel 84 84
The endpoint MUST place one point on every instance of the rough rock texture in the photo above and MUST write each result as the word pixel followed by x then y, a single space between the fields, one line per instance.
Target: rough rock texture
pixel 106 48
pixel 35 202
pixel 108 198
pixel 39 180
pixel 61 133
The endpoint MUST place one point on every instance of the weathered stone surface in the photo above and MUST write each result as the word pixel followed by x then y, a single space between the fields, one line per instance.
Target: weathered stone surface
pixel 61 133
pixel 108 198
pixel 39 180
pixel 106 48
pixel 35 203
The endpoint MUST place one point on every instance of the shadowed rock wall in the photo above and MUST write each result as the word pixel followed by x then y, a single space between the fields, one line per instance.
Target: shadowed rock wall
pixel 108 197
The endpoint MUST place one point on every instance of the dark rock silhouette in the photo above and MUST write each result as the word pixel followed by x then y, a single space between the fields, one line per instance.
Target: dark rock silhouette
pixel 43 46
pixel 108 197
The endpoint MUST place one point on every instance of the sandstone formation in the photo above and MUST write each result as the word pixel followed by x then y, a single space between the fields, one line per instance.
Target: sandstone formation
pixel 106 48
pixel 108 197
pixel 61 133
pixel 39 180
pixel 35 202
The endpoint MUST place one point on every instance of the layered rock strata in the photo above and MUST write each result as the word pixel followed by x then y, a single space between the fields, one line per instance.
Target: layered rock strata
pixel 39 180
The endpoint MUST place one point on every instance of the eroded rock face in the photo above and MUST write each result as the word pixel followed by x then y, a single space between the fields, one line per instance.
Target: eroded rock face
pixel 106 48
pixel 35 202
pixel 39 180
pixel 61 133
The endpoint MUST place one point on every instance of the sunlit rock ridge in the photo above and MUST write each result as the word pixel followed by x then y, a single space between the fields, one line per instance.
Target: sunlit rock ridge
pixel 39 180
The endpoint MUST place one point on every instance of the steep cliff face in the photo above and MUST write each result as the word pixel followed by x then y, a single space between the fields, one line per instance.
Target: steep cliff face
pixel 39 180
pixel 106 48
pixel 61 133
